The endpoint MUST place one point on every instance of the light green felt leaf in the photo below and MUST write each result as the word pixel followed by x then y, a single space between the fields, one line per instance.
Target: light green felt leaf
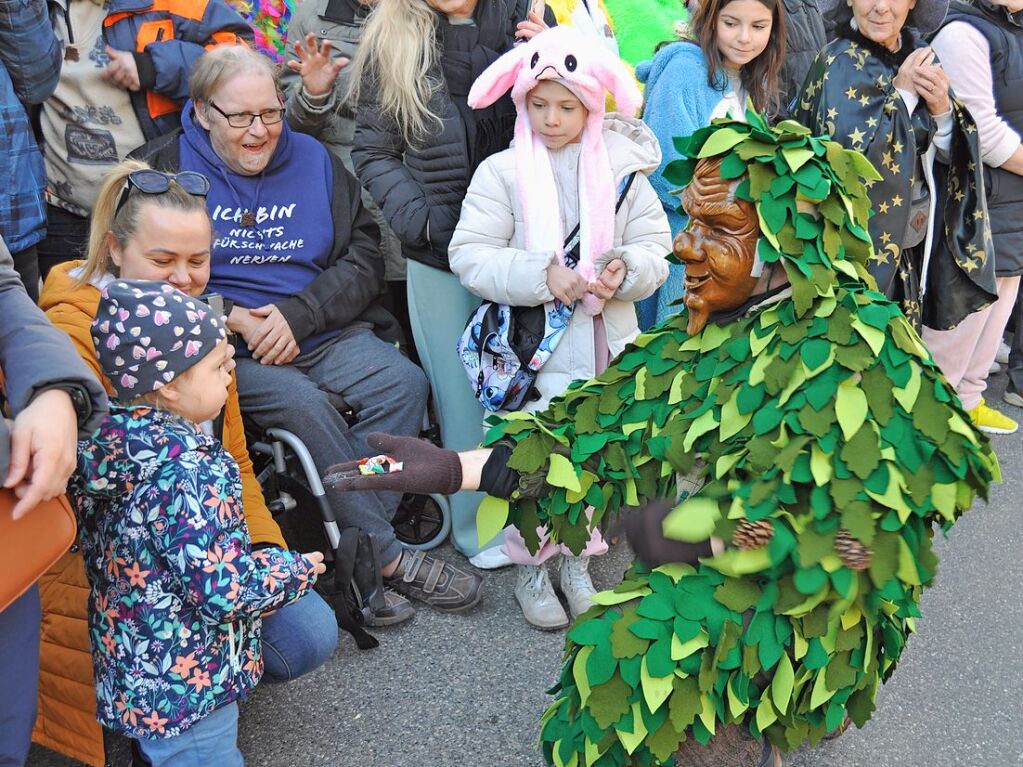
pixel 491 517
pixel 850 408
pixel 766 715
pixel 562 473
pixel 721 141
pixel 579 674
pixel 631 740
pixel 737 562
pixel 821 694
pixel 781 685
pixel 797 157
pixel 609 598
pixel 656 689
pixel 693 521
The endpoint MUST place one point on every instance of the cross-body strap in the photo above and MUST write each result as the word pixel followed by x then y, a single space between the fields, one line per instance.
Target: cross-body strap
pixel 572 241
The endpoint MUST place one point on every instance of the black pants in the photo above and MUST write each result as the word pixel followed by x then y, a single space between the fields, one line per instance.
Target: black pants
pixel 67 238
pixel 1015 370
pixel 26 263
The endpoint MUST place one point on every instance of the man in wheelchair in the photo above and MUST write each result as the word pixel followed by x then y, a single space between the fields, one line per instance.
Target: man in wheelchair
pixel 303 300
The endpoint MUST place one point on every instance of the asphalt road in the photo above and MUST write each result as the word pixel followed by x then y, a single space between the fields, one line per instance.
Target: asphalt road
pixel 448 691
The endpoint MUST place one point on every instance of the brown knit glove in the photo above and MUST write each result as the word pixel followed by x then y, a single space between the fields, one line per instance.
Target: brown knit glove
pixel 426 468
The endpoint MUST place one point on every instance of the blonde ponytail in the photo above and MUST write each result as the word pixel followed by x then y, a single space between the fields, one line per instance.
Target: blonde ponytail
pixel 398 51
pixel 108 220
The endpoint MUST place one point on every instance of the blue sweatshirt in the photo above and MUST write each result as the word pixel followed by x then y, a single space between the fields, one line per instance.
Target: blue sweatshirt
pixel 291 241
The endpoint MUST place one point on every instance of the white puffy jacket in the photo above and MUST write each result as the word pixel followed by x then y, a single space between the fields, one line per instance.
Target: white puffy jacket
pixel 487 249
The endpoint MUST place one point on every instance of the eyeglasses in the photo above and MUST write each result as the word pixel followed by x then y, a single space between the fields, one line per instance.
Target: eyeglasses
pixel 150 181
pixel 245 119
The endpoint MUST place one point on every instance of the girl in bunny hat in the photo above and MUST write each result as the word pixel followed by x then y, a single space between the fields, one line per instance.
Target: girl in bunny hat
pixel 175 590
pixel 571 165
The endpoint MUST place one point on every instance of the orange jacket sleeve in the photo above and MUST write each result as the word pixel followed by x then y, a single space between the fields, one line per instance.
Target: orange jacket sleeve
pixel 262 527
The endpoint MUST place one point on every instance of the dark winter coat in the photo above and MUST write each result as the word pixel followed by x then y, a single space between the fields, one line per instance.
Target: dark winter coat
pixel 804 39
pixel 420 188
pixel 1004 34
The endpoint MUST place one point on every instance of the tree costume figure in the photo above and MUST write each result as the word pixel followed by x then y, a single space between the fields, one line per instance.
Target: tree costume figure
pixel 850 94
pixel 809 440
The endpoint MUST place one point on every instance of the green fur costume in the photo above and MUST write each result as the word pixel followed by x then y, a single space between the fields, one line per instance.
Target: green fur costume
pixel 813 434
pixel 640 25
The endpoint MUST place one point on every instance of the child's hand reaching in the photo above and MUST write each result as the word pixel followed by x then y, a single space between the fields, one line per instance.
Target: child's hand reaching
pixel 567 285
pixel 316 559
pixel 610 280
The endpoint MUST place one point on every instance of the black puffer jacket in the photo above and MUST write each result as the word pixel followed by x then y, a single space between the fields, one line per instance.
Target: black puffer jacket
pixel 805 37
pixel 420 189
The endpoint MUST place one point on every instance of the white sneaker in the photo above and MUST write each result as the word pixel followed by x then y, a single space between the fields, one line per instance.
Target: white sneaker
pixel 995 369
pixel 1002 355
pixel 536 597
pixel 576 584
pixel 493 558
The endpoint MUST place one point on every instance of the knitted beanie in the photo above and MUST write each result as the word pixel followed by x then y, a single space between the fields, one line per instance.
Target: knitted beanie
pixel 148 333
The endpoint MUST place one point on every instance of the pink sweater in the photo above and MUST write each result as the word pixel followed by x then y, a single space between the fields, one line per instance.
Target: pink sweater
pixel 966 58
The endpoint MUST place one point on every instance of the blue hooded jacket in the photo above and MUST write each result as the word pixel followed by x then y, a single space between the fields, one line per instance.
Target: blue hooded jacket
pixel 678 101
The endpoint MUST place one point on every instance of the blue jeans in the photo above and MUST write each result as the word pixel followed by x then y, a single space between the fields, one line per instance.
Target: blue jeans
pixel 19 676
pixel 210 741
pixel 298 638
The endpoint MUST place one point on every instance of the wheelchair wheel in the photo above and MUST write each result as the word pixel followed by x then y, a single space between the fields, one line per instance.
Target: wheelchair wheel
pixel 422 522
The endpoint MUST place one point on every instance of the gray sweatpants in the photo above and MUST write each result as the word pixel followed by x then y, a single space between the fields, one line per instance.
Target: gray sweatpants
pixel 384 389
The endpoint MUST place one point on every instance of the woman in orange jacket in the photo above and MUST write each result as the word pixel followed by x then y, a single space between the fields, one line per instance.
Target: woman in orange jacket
pixel 168 240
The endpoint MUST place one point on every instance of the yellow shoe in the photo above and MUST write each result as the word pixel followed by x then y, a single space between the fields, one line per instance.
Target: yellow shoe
pixel 990 420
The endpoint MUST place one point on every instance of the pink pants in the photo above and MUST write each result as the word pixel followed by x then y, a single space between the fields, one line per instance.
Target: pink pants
pixel 515 547
pixel 965 353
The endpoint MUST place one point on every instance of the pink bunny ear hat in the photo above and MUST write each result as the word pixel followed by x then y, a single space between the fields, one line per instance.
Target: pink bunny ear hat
pixel 589 71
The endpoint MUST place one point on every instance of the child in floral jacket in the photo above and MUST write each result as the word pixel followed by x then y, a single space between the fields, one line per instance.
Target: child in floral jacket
pixel 175 590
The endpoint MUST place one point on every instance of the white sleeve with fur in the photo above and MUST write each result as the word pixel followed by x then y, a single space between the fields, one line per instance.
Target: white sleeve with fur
pixel 480 253
pixel 645 242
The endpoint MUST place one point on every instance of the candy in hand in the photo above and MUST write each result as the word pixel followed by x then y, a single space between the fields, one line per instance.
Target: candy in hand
pixel 407 465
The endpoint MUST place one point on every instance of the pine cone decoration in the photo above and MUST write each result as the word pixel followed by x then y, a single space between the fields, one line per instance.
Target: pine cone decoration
pixel 753 535
pixel 853 554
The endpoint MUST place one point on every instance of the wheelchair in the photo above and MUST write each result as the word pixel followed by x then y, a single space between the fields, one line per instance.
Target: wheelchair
pixel 291 482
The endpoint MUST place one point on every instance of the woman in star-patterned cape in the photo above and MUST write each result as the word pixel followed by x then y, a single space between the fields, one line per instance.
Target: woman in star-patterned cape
pixel 877 89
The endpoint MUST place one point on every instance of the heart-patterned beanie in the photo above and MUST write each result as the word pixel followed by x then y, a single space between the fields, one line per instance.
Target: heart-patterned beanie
pixel 148 333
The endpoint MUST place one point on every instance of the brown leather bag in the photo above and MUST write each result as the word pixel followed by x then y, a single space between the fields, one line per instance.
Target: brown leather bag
pixel 30 545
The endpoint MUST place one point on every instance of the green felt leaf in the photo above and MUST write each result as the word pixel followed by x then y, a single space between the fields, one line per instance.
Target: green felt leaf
pixel 609 701
pixel 738 594
pixel 491 517
pixel 813 546
pixel 625 644
pixel 720 141
pixel 884 561
pixel 684 704
pixel 862 453
pixel 859 521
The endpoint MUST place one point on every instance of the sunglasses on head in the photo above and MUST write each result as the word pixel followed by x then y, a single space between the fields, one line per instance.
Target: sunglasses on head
pixel 151 181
